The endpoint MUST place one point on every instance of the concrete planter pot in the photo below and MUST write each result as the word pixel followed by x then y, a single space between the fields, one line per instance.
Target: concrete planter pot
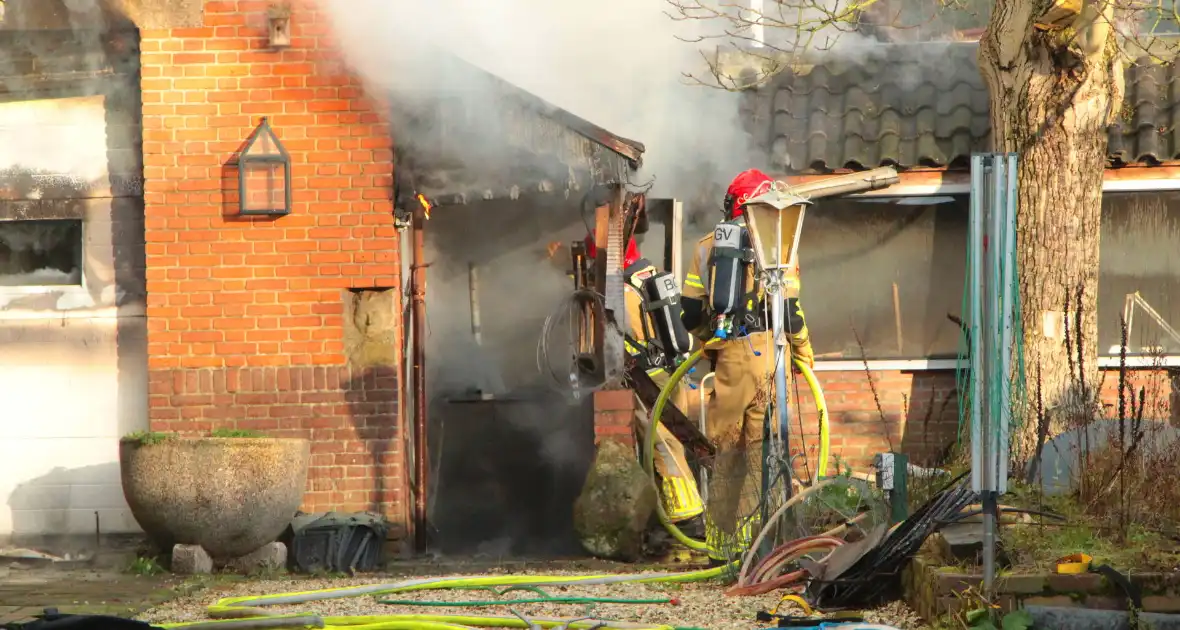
pixel 228 495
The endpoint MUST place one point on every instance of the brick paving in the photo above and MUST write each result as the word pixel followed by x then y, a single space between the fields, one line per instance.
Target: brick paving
pixel 27 592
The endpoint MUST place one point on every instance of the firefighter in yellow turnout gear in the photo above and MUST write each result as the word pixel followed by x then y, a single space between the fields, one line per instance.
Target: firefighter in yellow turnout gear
pixel 679 494
pixel 743 383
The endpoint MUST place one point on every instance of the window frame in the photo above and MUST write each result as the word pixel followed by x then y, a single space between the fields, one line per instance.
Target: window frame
pixel 896 201
pixel 959 184
pixel 63 289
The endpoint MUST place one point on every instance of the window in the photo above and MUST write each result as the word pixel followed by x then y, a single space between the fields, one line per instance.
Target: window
pixel 888 271
pixel 1159 19
pixel 40 253
pixel 1139 255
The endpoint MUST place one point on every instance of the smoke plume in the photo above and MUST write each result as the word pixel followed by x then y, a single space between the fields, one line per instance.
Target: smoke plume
pixel 617 63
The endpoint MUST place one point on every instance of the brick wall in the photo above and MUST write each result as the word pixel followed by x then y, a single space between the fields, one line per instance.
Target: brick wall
pixel 918 413
pixel 246 316
pixel 614 416
pixel 921 410
pixel 1156 385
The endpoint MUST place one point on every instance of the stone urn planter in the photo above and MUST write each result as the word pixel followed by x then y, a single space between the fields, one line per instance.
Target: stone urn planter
pixel 229 495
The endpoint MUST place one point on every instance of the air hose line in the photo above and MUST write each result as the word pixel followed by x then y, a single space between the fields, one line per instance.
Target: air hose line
pixel 649 444
pixel 487 603
pixel 544 598
pixel 248 612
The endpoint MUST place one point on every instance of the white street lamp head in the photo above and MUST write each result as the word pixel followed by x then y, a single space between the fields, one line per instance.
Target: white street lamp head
pixel 778 198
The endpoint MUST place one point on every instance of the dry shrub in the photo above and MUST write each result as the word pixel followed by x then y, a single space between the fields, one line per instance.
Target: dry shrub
pixel 1134 482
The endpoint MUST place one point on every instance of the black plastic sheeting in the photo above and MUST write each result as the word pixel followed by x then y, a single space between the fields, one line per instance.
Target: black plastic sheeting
pixel 52 620
pixel 876 576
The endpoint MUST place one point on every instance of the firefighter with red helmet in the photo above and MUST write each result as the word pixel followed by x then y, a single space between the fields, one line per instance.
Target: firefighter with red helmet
pixel 743 363
pixel 679 494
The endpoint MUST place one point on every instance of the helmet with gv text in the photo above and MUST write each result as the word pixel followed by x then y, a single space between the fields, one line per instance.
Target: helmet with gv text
pixel 747 185
pixel 630 257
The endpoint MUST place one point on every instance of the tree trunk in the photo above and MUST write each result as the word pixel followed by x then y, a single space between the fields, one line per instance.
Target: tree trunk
pixel 1053 94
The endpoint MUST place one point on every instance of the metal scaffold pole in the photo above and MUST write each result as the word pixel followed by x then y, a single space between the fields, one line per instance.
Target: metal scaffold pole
pixel 993 338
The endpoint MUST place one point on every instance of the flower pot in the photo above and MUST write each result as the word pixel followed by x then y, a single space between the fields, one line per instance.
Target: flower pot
pixel 228 495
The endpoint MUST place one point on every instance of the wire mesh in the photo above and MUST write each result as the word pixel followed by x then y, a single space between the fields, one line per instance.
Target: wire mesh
pixel 749 484
pixel 736 502
pixel 1003 267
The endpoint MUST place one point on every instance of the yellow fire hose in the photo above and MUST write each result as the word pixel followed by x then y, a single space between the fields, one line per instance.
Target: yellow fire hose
pixel 248 612
pixel 658 410
pixel 821 408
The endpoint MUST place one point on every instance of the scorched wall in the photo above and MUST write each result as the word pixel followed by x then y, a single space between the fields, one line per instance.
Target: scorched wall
pixel 246 316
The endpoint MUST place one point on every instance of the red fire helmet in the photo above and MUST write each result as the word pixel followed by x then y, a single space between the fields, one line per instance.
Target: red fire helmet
pixel 747 185
pixel 630 257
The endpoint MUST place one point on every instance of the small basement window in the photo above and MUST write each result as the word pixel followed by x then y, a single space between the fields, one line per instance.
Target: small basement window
pixel 41 253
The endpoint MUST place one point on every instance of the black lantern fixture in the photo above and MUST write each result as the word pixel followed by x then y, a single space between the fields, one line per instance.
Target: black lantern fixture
pixel 264 175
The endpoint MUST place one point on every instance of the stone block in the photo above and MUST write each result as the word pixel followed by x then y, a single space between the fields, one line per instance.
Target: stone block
pixel 954 583
pixel 1007 603
pixel 1021 584
pixel 1161 604
pixel 1103 602
pixel 948 606
pixel 1157 583
pixel 617 501
pixel 1079 583
pixel 1053 601
pixel 269 557
pixel 190 560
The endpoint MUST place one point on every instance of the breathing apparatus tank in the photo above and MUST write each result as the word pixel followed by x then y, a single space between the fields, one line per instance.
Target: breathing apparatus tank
pixel 729 265
pixel 661 300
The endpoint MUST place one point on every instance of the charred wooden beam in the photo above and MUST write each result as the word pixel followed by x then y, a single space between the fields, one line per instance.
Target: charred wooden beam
pixel 685 430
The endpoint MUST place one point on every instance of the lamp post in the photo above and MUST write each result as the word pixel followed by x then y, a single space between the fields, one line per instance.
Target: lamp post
pixel 774 220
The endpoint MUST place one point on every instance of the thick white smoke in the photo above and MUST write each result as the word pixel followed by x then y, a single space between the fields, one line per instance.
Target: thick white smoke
pixel 616 63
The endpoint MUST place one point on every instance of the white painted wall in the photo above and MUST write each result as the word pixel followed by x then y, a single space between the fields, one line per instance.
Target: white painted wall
pixel 73 360
pixel 65 404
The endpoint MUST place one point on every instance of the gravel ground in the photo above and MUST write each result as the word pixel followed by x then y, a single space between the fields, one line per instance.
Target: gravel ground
pixel 701 605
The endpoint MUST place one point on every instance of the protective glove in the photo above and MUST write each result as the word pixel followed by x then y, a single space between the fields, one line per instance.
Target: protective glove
pixel 801 349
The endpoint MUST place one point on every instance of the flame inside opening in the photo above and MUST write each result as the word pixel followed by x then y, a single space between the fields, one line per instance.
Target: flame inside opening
pixel 426 205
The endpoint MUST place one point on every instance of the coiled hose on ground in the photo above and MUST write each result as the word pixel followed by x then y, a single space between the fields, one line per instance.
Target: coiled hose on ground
pixel 249 612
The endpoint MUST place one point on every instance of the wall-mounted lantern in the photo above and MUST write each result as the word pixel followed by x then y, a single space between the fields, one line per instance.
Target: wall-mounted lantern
pixel 264 175
pixel 279 19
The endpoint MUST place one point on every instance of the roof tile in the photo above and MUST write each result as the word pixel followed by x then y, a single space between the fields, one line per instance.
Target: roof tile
pixel 896 108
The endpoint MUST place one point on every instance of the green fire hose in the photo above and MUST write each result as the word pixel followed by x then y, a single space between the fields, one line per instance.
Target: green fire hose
pixel 249 612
